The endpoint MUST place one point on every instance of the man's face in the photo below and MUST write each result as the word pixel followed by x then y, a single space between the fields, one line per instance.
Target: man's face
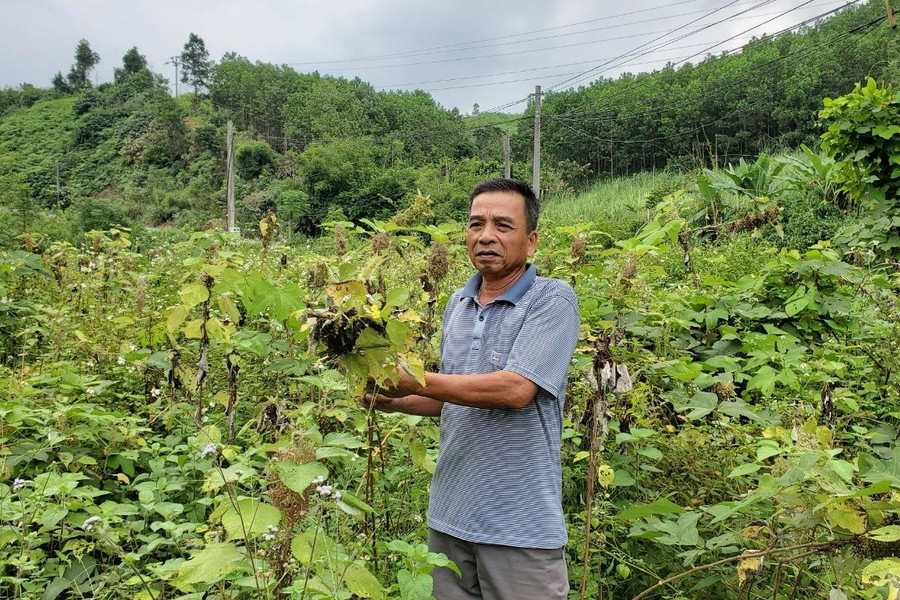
pixel 497 236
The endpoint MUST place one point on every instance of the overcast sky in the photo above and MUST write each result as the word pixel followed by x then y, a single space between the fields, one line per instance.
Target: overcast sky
pixel 463 52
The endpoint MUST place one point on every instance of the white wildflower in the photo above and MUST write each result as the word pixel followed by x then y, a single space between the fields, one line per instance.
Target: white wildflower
pixel 155 392
pixel 272 529
pixel 336 495
pixel 210 448
pixel 89 523
pixel 121 360
pixel 90 391
pixel 18 484
pixel 269 537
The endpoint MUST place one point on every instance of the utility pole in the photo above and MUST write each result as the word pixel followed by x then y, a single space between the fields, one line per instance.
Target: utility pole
pixel 890 14
pixel 506 166
pixel 175 60
pixel 229 161
pixel 536 178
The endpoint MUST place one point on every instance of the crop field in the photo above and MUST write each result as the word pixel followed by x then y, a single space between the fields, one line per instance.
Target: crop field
pixel 180 411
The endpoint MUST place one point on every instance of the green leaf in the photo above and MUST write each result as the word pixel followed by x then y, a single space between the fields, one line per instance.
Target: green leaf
pixel 353 505
pixel 193 294
pixel 764 380
pixel 362 583
pixel 397 297
pixel 207 566
pixel 418 587
pixel 663 506
pixel 746 469
pixel 299 477
pixel 229 309
pixel 890 533
pixel 251 517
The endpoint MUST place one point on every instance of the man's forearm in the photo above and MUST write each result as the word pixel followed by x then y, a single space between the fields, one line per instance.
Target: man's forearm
pixel 413 405
pixel 500 389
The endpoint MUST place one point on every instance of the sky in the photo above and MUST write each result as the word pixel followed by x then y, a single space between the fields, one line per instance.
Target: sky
pixel 463 52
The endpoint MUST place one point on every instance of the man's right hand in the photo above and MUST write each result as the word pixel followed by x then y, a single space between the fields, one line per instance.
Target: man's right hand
pixel 381 403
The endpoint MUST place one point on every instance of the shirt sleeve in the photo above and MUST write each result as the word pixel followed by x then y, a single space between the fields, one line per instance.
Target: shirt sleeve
pixel 544 346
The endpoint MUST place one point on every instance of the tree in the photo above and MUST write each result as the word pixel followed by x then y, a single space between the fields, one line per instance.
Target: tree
pixel 85 60
pixel 132 62
pixel 195 64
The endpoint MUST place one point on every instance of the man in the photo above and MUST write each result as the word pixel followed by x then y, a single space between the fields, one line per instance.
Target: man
pixel 496 498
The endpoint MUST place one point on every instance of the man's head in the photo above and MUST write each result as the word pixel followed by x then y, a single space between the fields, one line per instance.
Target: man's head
pixel 532 205
pixel 502 230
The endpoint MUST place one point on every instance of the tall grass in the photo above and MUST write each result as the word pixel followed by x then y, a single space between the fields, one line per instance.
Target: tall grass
pixel 617 206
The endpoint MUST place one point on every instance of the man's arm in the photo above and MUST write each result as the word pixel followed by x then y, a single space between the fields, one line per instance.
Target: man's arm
pixel 410 405
pixel 499 389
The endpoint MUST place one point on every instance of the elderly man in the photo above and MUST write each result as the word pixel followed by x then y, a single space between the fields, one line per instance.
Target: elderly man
pixel 496 498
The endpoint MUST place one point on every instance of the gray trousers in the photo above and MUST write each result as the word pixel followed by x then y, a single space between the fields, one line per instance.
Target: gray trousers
pixel 498 572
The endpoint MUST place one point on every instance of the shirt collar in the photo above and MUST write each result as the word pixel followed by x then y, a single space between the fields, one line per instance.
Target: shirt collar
pixel 512 295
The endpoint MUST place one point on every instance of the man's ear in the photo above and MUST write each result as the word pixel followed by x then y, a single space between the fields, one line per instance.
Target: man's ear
pixel 532 242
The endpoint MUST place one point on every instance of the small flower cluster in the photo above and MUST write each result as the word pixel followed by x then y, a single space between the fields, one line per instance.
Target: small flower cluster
pixel 18 484
pixel 271 535
pixel 326 490
pixel 156 392
pixel 89 523
pixel 210 448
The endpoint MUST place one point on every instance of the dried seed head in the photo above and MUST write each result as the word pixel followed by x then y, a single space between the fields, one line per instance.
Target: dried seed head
pixel 418 210
pixel 438 262
pixel 140 296
pixel 724 390
pixel 579 249
pixel 318 274
pixel 380 242
pixel 629 270
pixel 292 505
pixel 340 240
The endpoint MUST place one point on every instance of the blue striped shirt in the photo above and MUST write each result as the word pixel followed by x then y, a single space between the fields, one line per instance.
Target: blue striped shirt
pixel 498 478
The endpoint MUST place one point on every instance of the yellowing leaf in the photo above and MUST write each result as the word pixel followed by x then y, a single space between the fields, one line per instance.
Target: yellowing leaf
pixel 193 294
pixel 605 475
pixel 123 478
pixel 847 516
pixel 749 568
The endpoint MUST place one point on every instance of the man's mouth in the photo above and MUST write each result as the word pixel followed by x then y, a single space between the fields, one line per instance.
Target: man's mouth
pixel 486 254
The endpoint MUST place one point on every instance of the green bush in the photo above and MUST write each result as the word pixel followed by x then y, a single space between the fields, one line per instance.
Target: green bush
pixel 253 158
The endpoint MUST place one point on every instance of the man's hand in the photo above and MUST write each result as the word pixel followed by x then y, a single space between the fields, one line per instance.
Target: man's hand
pixel 398 385
pixel 381 403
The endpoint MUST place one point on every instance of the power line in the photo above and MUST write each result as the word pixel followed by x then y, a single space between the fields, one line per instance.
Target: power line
pixel 492 39
pixel 631 52
pixel 584 115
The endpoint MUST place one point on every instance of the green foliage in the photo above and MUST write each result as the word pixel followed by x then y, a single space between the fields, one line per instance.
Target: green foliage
pixel 251 159
pixel 195 64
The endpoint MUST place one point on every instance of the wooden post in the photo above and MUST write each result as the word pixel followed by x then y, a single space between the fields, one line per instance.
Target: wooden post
pixel 506 165
pixel 890 14
pixel 229 169
pixel 536 178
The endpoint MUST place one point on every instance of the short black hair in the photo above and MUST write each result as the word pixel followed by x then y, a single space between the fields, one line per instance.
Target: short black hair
pixel 501 184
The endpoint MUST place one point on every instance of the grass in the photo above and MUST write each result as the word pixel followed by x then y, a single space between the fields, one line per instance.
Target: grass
pixel 617 206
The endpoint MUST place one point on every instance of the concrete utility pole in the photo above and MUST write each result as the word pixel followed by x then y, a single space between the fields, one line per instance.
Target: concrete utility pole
pixel 229 162
pixel 175 60
pixel 536 179
pixel 506 166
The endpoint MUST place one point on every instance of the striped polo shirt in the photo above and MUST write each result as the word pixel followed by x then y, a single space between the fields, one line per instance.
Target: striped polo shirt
pixel 498 478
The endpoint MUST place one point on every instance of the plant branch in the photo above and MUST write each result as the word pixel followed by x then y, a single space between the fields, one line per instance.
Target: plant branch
pixel 819 546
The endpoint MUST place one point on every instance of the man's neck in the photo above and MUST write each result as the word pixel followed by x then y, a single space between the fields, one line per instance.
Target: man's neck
pixel 491 289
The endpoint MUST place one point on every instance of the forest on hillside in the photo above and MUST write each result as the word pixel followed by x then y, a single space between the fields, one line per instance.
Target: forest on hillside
pixel 315 148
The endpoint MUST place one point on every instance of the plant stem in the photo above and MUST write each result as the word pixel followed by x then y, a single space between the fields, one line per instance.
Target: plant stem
pixel 817 545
